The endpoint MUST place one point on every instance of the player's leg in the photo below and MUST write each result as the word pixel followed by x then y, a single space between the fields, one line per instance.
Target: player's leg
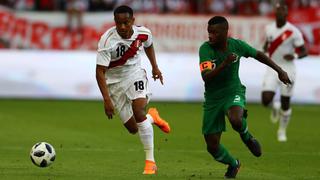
pixel 123 106
pixel 285 112
pixel 131 125
pixel 144 126
pixel 285 116
pixel 269 86
pixel 140 89
pixel 138 94
pixel 158 121
pixel 234 109
pixel 267 98
pixel 133 116
pixel 212 127
pixel 221 154
pixel 145 130
pixel 238 119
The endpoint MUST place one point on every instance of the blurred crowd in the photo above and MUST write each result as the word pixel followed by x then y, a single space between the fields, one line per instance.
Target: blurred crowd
pixel 239 7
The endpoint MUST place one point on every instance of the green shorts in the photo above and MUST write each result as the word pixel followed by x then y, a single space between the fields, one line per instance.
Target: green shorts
pixel 214 112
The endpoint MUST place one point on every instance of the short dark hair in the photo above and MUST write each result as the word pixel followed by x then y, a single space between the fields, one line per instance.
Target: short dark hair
pixel 123 9
pixel 218 20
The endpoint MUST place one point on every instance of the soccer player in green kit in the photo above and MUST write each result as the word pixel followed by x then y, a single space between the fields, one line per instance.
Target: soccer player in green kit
pixel 224 93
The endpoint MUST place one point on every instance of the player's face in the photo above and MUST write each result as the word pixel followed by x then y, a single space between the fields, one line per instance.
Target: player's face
pixel 281 12
pixel 124 24
pixel 217 34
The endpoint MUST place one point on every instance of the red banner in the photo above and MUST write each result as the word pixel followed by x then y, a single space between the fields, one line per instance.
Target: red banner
pixel 308 21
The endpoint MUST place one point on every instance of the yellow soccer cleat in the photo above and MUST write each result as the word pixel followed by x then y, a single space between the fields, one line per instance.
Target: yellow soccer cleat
pixel 150 168
pixel 161 123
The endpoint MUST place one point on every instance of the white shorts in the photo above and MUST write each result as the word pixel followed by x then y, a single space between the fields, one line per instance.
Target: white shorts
pixel 271 82
pixel 123 92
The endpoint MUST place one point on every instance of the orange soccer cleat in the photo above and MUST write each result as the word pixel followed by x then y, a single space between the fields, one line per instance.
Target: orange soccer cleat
pixel 150 168
pixel 161 123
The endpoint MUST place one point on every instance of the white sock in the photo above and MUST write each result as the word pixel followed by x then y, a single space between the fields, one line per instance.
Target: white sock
pixel 146 137
pixel 276 105
pixel 285 117
pixel 149 118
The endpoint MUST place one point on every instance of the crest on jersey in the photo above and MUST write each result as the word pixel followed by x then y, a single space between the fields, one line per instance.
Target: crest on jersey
pixel 137 43
pixel 237 58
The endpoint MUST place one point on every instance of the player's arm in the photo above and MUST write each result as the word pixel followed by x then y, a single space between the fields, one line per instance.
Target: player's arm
pixel 298 44
pixel 283 76
pixel 265 46
pixel 302 52
pixel 100 77
pixel 156 73
pixel 208 71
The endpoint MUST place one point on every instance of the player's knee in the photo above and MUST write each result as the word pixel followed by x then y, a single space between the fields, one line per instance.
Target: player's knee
pixel 212 148
pixel 236 123
pixel 133 130
pixel 266 102
pixel 140 117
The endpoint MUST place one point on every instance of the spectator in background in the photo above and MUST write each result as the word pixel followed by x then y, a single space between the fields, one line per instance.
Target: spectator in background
pixel 176 6
pixel 102 5
pixel 216 6
pixel 265 7
pixel 23 4
pixel 75 9
pixel 247 7
pixel 314 3
pixel 143 6
pixel 46 5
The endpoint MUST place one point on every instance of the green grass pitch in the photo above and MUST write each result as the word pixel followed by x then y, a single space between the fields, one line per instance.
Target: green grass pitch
pixel 89 146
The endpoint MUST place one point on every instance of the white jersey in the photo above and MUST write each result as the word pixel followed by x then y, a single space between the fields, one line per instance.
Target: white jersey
pixel 283 41
pixel 122 56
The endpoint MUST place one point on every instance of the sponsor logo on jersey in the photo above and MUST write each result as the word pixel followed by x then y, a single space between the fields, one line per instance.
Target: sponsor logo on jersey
pixel 236 98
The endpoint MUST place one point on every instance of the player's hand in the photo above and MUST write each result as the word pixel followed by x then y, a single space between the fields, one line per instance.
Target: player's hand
pixel 283 76
pixel 108 109
pixel 156 74
pixel 230 59
pixel 288 57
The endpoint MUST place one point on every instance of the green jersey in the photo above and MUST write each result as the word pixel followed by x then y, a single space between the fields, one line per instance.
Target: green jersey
pixel 227 82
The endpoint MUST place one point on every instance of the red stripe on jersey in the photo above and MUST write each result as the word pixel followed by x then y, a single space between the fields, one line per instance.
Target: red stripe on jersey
pixel 278 41
pixel 134 47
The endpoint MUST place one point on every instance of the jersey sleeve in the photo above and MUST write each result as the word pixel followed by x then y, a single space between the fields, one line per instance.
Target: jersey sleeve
pixel 103 53
pixel 297 38
pixel 204 54
pixel 147 32
pixel 247 50
pixel 205 58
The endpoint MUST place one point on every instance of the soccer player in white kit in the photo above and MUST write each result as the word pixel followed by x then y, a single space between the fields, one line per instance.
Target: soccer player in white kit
pixel 123 82
pixel 284 44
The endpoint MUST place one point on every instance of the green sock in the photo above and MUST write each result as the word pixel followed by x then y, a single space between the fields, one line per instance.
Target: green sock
pixel 224 157
pixel 244 133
